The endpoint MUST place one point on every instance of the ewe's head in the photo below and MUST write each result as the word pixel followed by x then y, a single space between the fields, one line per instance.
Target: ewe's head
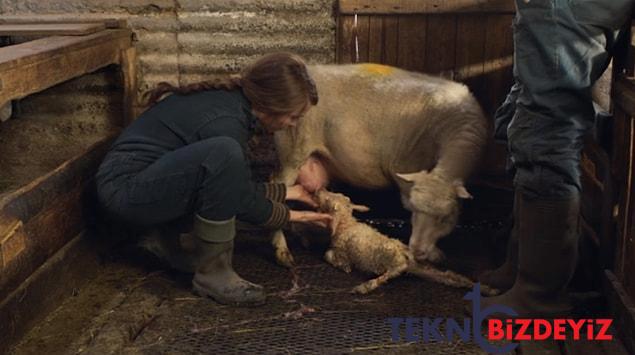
pixel 433 202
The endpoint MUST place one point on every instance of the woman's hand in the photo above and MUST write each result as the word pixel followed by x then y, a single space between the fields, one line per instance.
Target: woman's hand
pixel 299 193
pixel 315 218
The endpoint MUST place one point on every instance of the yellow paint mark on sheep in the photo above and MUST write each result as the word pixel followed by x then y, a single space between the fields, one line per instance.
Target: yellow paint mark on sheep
pixel 377 69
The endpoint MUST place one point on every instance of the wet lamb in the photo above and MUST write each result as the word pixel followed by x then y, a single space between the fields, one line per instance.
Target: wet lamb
pixel 357 245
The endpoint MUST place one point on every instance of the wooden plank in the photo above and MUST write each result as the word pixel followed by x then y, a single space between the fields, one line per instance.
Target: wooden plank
pixel 111 23
pixel 620 167
pixel 131 107
pixel 345 46
pixel 411 49
pixel 602 174
pixel 353 39
pixel 40 64
pixel 441 45
pixel 391 40
pixel 50 29
pixel 51 211
pixel 22 54
pixel 375 39
pixel 498 61
pixel 424 7
pixel 470 54
pixel 46 233
pixel 46 289
pixel 363 28
pixel 624 94
pixel 12 240
pixel 622 310
pixel 383 39
pixel 629 59
pixel 592 194
pixel 628 241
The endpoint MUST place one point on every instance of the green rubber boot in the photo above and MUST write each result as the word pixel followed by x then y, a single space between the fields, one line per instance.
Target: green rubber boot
pixel 214 276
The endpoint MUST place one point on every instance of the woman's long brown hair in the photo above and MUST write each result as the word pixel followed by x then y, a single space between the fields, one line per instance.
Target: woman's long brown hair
pixel 274 84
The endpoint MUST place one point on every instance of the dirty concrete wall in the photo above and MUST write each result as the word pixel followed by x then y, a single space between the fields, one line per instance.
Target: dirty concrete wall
pixel 179 41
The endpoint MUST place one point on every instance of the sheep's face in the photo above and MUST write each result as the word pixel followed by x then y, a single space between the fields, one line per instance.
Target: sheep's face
pixel 334 203
pixel 435 209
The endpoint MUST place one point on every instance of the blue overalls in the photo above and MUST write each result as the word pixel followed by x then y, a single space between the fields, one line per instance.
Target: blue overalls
pixel 561 48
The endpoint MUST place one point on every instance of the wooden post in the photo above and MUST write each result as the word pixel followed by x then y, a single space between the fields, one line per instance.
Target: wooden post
pixel 128 62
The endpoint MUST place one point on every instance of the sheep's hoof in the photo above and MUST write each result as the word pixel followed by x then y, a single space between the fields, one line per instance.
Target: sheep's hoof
pixel 360 289
pixel 284 258
pixel 433 255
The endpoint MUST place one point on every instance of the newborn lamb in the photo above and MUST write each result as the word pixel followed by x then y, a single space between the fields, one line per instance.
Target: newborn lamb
pixel 357 245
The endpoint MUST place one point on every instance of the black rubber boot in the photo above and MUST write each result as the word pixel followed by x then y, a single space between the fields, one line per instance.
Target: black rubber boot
pixel 503 277
pixel 548 237
pixel 214 275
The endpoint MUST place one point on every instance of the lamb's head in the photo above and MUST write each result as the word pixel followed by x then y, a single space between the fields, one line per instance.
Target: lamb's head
pixel 339 206
pixel 433 201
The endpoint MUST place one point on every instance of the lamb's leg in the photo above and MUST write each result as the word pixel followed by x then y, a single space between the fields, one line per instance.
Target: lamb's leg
pixel 370 285
pixel 447 277
pixel 338 260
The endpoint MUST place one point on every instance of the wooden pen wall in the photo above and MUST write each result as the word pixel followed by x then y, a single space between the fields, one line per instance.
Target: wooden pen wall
pixel 621 251
pixel 465 40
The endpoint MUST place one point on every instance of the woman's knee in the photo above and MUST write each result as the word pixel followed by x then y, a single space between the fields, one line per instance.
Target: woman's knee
pixel 227 154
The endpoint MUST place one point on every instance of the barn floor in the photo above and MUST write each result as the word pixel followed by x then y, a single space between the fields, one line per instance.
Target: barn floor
pixel 136 305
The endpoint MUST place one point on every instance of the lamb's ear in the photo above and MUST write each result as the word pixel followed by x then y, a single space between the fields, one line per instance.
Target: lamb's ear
pixel 360 208
pixel 407 177
pixel 462 192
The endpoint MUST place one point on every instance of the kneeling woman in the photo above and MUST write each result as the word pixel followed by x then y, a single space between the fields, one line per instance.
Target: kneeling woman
pixel 186 155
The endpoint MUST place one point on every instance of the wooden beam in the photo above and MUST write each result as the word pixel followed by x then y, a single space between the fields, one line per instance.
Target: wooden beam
pixel 424 7
pixel 37 65
pixel 45 290
pixel 129 69
pixel 50 29
pixel 621 308
pixel 61 19
pixel 624 94
pixel 40 218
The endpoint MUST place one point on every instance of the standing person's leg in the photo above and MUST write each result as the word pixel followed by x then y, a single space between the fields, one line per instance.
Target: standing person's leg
pixel 502 278
pixel 207 179
pixel 557 62
pixel 505 112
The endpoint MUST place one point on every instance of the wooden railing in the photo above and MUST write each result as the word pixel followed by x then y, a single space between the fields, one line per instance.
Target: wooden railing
pixel 620 273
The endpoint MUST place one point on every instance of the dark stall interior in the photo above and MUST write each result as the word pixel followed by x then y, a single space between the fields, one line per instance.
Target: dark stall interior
pixel 75 281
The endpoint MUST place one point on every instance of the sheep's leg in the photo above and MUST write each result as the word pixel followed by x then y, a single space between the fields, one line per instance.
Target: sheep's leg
pixel 338 260
pixel 447 277
pixel 278 240
pixel 370 285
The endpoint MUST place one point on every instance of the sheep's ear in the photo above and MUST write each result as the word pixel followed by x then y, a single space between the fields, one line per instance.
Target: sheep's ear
pixel 462 192
pixel 407 177
pixel 360 208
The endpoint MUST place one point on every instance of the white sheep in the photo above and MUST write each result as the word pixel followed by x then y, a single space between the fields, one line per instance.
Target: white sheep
pixel 357 245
